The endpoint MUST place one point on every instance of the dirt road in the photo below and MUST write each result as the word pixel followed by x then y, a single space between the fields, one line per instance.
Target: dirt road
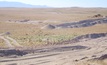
pixel 71 54
pixel 7 42
pixel 10 42
pixel 14 42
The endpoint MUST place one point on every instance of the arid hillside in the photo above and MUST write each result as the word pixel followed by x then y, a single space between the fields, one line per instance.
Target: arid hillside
pixel 37 26
pixel 53 36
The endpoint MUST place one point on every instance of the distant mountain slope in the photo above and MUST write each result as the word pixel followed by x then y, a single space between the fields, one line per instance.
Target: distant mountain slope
pixel 19 4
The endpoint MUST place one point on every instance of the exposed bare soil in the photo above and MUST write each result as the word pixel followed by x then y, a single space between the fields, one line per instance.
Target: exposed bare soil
pixel 62 54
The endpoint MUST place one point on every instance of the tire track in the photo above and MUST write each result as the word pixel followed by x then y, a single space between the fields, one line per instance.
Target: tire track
pixel 14 42
pixel 7 42
pixel 10 42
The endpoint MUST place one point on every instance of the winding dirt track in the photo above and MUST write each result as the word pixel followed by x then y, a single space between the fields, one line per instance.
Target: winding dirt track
pixel 7 42
pixel 62 55
pixel 10 42
pixel 14 42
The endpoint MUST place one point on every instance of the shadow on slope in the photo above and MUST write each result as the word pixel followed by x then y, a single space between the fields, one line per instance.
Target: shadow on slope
pixel 83 23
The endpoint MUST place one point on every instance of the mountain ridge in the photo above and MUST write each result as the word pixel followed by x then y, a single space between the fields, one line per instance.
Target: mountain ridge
pixel 20 5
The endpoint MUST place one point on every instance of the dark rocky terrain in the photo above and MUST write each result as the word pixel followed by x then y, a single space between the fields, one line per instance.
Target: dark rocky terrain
pixel 10 52
pixel 83 23
pixel 85 38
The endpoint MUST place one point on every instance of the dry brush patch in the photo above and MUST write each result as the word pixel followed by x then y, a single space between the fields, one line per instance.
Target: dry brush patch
pixel 30 35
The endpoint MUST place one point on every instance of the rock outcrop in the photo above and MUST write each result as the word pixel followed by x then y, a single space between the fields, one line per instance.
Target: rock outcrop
pixel 48 27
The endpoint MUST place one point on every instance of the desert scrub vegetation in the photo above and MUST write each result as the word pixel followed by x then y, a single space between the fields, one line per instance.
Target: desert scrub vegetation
pixel 2 43
pixel 41 39
pixel 31 35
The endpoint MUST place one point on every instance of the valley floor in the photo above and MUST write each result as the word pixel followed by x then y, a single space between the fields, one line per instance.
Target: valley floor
pixel 71 54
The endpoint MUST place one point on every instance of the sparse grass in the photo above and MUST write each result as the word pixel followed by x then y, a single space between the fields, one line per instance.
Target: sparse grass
pixel 2 43
pixel 60 14
pixel 30 35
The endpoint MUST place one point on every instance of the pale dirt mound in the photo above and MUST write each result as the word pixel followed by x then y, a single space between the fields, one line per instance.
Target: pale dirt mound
pixel 48 27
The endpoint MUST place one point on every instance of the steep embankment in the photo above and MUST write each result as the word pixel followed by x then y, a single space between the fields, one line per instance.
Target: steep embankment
pixel 84 38
pixel 83 23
